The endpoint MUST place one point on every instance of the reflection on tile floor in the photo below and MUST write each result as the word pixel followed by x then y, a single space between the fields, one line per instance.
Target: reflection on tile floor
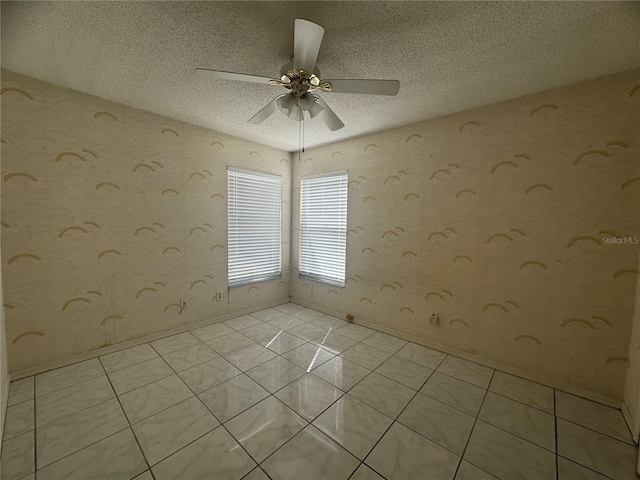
pixel 292 393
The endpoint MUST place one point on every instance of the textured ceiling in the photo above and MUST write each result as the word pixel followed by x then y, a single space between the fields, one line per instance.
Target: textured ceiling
pixel 449 56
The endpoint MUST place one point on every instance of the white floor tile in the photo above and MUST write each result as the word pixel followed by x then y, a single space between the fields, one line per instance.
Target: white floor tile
pixel 126 358
pixel 355 332
pixel 282 342
pixel 210 332
pixel 276 373
pixel 72 399
pixel 424 356
pixel 384 342
pixel 117 456
pixel 265 427
pixel 405 372
pixel 506 456
pixel 145 401
pixel 18 456
pixel 146 475
pixel 21 391
pixel 289 308
pixel 233 397
pixel 174 343
pixel 514 417
pixel 470 372
pixel 593 415
pixel 262 331
pixel 20 419
pixel 79 430
pixel 308 356
pixel 365 356
pixel 353 424
pixel 402 454
pixel 330 322
pixel 365 473
pixel 190 357
pixel 267 314
pixel 383 394
pixel 341 373
pixel 455 393
pixel 249 357
pixel 601 453
pixel 242 322
pixel 197 461
pixel 448 427
pixel 64 377
pixel 168 431
pixel 310 455
pixel 308 396
pixel 524 391
pixel 208 374
pixel 334 342
pixel 228 343
pixel 308 314
pixel 286 322
pixel 138 375
pixel 568 470
pixel 309 331
pixel 256 474
pixel 467 471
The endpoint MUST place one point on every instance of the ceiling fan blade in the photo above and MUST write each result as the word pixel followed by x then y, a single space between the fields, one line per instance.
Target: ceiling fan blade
pixel 218 75
pixel 268 110
pixel 306 44
pixel 327 115
pixel 371 87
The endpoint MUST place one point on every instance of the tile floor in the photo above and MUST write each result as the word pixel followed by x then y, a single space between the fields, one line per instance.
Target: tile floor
pixel 292 393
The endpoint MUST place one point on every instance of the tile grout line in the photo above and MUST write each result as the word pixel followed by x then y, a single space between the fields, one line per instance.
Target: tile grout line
pixel 127 417
pixel 307 422
pixel 475 421
pixel 397 416
pixel 214 416
pixel 91 444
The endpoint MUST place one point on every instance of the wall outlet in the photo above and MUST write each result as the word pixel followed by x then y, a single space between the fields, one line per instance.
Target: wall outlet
pixel 219 296
pixel 433 319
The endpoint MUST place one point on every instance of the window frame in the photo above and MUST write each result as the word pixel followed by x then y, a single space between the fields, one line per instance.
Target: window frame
pixel 342 229
pixel 232 244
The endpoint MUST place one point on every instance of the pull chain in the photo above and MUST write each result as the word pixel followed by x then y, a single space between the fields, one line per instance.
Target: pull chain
pixel 299 141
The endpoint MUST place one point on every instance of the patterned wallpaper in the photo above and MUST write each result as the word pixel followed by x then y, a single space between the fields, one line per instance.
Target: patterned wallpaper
pixel 111 215
pixel 632 382
pixel 504 220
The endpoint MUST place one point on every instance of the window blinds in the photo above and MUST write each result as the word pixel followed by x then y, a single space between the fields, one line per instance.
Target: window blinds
pixel 254 251
pixel 323 227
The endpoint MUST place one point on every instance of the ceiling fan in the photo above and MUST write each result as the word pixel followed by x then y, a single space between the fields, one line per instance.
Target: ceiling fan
pixel 301 77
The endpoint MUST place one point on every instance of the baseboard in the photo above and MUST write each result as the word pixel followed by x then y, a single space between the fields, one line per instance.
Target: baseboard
pixel 541 379
pixel 63 362
pixel 635 433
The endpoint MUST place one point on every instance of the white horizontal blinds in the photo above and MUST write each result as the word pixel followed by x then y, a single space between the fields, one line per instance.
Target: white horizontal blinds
pixel 254 251
pixel 323 227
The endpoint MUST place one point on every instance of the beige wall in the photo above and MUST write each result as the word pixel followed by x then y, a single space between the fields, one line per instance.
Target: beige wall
pixel 4 368
pixel 632 382
pixel 111 215
pixel 494 218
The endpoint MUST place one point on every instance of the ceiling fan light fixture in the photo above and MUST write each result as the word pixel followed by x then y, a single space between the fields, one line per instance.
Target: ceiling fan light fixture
pixel 288 105
pixel 306 101
pixel 296 113
pixel 315 110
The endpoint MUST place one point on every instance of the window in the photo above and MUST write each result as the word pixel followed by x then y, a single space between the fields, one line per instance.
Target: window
pixel 323 227
pixel 254 226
